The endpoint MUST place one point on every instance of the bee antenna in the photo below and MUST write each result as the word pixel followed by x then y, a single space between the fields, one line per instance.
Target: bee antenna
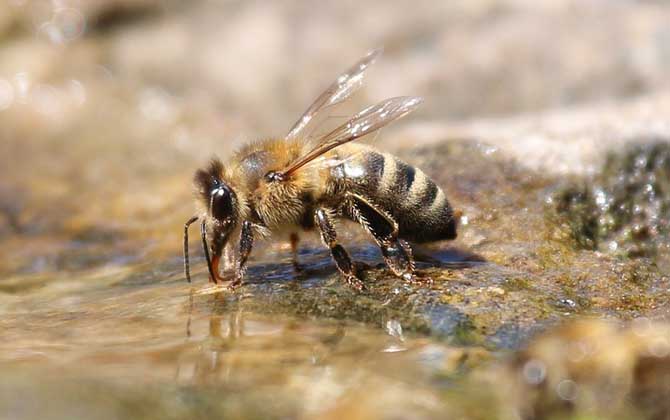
pixel 188 223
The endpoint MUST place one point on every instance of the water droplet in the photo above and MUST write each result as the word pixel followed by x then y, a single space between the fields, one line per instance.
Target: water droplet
pixel 601 197
pixel 568 303
pixel 394 329
pixel 641 161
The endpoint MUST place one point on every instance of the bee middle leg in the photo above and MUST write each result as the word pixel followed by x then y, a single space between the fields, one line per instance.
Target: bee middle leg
pixel 340 255
pixel 396 252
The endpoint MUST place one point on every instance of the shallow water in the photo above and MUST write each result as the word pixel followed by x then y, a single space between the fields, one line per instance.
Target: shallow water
pixel 106 345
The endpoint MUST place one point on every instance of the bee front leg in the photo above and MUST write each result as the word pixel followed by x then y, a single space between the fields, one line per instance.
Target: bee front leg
pixel 396 252
pixel 342 260
pixel 246 243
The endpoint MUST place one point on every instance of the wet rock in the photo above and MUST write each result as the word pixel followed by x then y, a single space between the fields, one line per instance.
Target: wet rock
pixel 625 208
pixel 506 277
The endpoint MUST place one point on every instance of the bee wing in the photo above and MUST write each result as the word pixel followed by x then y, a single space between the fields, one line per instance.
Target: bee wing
pixel 346 84
pixel 365 122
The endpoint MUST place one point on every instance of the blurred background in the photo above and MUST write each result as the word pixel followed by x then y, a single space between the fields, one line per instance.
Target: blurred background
pixel 107 107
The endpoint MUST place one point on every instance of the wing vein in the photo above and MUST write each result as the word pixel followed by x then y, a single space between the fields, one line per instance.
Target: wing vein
pixel 365 122
pixel 343 87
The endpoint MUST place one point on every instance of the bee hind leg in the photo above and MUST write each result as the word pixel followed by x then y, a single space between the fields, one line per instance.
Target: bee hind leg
pixel 396 252
pixel 329 236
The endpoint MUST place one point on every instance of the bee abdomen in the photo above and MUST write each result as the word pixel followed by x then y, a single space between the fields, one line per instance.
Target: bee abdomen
pixel 419 206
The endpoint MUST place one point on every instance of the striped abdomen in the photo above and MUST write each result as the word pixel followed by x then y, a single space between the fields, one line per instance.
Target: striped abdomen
pixel 420 207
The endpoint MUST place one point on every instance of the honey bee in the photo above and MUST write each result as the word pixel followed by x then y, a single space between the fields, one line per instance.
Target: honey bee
pixel 299 183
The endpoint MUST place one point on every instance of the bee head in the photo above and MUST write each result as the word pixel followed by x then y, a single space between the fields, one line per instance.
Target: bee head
pixel 218 197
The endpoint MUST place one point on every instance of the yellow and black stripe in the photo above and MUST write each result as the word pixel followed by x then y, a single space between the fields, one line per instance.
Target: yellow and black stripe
pixel 418 205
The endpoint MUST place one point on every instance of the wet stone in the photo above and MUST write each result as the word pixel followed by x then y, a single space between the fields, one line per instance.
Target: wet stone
pixel 625 208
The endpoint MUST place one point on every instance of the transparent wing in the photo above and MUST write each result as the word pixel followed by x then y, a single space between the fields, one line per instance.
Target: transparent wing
pixel 346 84
pixel 365 122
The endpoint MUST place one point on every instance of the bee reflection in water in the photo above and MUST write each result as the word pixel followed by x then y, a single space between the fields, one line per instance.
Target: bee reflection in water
pixel 237 346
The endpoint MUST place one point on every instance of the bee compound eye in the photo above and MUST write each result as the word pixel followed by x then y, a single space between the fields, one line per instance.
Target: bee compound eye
pixel 221 203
